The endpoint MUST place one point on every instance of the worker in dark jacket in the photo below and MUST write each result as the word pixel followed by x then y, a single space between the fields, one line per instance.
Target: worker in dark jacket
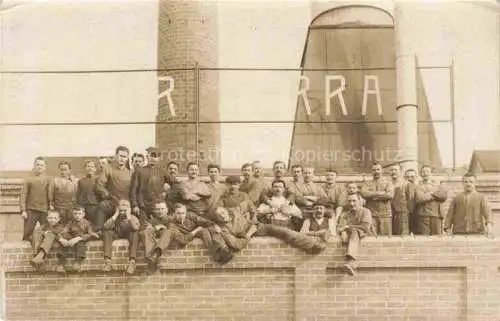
pixel 147 186
pixel 469 212
pixel 176 230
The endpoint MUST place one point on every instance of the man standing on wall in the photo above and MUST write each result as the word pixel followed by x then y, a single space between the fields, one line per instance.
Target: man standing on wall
pixel 469 212
pixel 279 171
pixel 429 197
pixel 62 192
pixel 354 224
pixel 138 161
pixel 251 186
pixel 306 194
pixel 411 187
pixel 378 194
pixel 173 185
pixel 399 204
pixel 216 188
pixel 148 185
pixel 113 183
pixel 195 194
pixel 334 192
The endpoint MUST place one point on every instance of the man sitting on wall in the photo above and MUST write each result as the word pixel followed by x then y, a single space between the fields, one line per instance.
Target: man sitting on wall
pixel 231 233
pixel 319 224
pixel 122 225
pixel 236 229
pixel 354 223
pixel 147 185
pixel 164 231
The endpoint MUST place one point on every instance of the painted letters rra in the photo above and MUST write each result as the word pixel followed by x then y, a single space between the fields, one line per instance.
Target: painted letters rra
pixel 371 87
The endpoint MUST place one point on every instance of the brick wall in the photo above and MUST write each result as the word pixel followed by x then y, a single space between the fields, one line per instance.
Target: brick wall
pixel 441 278
pixel 187 35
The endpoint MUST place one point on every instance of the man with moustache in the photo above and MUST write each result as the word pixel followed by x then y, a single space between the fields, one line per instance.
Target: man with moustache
pixel 334 192
pixel 252 187
pixel 469 212
pixel 411 187
pixel 308 193
pixel 399 204
pixel 429 196
pixel 378 194
pixel 354 224
pixel 194 193
pixel 320 224
pixel 172 186
pixel 148 185
pixel 279 171
pixel 216 188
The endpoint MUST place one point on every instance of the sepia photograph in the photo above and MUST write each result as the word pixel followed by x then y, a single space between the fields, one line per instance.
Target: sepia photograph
pixel 250 160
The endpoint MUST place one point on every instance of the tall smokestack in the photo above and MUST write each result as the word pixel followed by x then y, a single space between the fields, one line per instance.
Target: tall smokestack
pixel 187 37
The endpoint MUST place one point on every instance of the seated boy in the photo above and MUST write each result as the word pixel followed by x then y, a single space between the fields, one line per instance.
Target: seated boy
pixel 354 223
pixel 76 233
pixel 164 231
pixel 279 210
pixel 43 241
pixel 319 224
pixel 121 225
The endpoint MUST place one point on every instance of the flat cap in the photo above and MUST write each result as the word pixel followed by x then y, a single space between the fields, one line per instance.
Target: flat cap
pixel 322 202
pixel 153 149
pixel 233 179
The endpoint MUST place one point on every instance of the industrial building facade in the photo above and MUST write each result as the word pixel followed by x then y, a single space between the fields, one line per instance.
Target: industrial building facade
pixel 390 81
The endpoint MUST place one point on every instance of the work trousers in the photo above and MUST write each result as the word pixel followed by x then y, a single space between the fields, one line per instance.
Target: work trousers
pixel 30 223
pixel 163 239
pixel 80 250
pixel 382 225
pixel 412 223
pixel 306 243
pixel 105 210
pixel 66 214
pixel 109 236
pixel 353 245
pixel 400 223
pixel 95 217
pixel 429 225
pixel 43 240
